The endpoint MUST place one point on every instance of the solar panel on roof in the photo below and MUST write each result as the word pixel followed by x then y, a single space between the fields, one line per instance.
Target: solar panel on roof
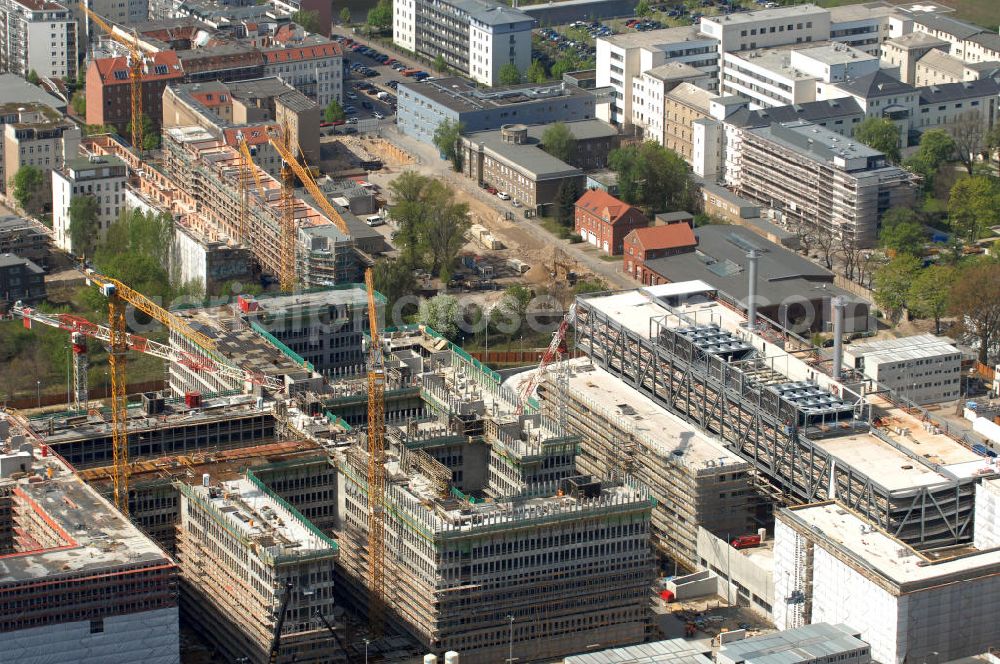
pixel 743 243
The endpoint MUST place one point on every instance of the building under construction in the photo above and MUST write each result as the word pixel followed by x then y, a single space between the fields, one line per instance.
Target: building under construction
pixel 257 577
pixel 696 480
pixel 504 547
pixel 78 582
pixel 809 435
pixel 201 180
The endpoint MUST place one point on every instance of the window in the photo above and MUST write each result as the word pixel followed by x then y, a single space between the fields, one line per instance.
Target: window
pixel 97 626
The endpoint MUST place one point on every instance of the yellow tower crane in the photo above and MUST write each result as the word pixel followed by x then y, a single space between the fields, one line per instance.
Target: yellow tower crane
pixel 119 296
pixel 376 408
pixel 247 172
pixel 136 59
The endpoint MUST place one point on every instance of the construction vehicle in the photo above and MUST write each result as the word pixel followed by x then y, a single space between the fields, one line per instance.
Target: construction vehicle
pixel 272 654
pixel 376 402
pixel 556 350
pixel 136 59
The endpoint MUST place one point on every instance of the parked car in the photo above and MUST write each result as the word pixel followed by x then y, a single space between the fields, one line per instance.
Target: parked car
pixel 491 189
pixel 378 116
pixel 746 541
pixel 503 195
pixel 352 120
pixel 516 203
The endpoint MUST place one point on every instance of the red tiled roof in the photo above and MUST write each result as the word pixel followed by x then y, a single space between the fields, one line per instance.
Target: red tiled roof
pixel 108 68
pixel 603 204
pixel 671 236
pixel 297 53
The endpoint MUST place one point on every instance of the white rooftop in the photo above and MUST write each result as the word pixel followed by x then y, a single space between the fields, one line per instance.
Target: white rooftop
pixel 904 348
pixel 742 18
pixel 656 38
pixel 887 556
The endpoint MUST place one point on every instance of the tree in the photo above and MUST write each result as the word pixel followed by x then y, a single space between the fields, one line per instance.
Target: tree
pixel 441 314
pixel 395 280
pixel 309 20
pixel 928 294
pixel 150 135
pixel 880 134
pixel 559 142
pixel 432 225
pixel 643 8
pixel 969 133
pixel 975 299
pixel 33 77
pixel 851 254
pixel 28 186
pixel 566 198
pixel 892 284
pixel 380 16
pixel 992 141
pixel 510 74
pixel 79 103
pixel 902 232
pixel 345 16
pixel 333 111
pixel 446 138
pixel 653 177
pixel 974 205
pixel 440 65
pixel 536 72
pixel 509 314
pixel 563 65
pixel 936 147
pixel 83 227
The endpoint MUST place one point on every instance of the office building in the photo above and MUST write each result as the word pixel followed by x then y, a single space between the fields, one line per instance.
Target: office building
pixel 79 583
pixel 924 368
pixel 250 564
pixel 905 51
pixel 475 37
pixel 25 238
pixel 649 108
pixel 38 36
pixel 423 106
pixel 682 108
pixel 830 561
pixel 818 178
pixel 765 28
pixel 102 178
pixel 34 134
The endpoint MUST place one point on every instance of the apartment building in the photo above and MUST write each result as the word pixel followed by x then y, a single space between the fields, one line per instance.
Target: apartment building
pixel 791 74
pixel 953 105
pixel 38 36
pixel 20 279
pixel 475 37
pixel 109 91
pixel 818 178
pixel 622 59
pixel 651 88
pixel 34 135
pixel 924 368
pixel 682 107
pixel 314 68
pixel 646 244
pixel 100 177
pixel 249 561
pixel 938 67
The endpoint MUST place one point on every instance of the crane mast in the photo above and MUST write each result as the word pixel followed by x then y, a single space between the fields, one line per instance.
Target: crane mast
pixel 376 408
pixel 557 348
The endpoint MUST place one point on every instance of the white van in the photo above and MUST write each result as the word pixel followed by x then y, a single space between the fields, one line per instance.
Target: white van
pixel 374 220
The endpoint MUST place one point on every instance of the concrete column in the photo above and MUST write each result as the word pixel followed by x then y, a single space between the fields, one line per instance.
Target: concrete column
pixel 752 256
pixel 837 308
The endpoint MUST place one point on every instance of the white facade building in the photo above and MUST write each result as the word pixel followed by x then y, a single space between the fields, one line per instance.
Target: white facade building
pixel 37 36
pixel 475 37
pixel 832 566
pixel 622 59
pixel 924 368
pixel 791 74
pixel 314 68
pixel 744 31
pixel 862 26
pixel 102 177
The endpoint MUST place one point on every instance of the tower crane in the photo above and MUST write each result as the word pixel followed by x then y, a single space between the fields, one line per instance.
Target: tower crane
pixel 81 329
pixel 247 171
pixel 376 406
pixel 557 348
pixel 136 59
pixel 119 296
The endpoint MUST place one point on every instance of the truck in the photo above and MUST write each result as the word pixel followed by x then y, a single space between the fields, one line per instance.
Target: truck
pixel 745 542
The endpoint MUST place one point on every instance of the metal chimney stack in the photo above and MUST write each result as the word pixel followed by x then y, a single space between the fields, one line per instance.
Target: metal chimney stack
pixel 752 257
pixel 837 307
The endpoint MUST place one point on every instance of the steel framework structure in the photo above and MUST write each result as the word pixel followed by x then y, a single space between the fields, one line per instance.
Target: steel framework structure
pixel 735 394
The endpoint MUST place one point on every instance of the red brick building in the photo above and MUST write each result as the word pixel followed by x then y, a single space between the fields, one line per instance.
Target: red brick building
pixel 644 244
pixel 109 91
pixel 604 221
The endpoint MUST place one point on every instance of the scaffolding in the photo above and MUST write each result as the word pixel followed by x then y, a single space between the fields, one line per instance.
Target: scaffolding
pixel 725 386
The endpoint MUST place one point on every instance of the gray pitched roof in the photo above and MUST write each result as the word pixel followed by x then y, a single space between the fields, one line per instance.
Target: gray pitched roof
pixel 876 84
pixel 948 25
pixel 814 111
pixel 937 94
